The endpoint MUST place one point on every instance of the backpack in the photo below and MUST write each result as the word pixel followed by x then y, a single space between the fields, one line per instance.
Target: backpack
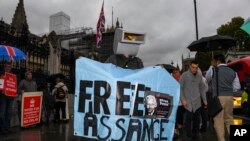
pixel 60 93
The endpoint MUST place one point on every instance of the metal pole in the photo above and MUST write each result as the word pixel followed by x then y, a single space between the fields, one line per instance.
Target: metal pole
pixel 196 22
pixel 196 25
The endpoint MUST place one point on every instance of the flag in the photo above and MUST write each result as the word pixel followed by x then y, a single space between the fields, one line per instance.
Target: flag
pixel 100 27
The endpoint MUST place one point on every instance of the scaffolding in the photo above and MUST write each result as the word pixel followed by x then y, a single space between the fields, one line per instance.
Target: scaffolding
pixel 83 42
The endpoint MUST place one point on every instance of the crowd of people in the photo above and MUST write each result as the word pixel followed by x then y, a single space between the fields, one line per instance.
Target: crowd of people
pixel 192 116
pixel 197 89
pixel 54 100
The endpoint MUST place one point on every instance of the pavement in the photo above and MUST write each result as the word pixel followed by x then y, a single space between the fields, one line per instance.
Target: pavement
pixel 64 132
pixel 51 132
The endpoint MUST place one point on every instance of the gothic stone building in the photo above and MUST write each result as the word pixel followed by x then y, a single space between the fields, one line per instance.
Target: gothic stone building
pixel 46 54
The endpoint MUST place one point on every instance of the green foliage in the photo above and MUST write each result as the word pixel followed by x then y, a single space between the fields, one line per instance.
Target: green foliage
pixel 232 29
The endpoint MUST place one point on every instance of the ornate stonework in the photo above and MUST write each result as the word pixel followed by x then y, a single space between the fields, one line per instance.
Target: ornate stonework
pixel 19 22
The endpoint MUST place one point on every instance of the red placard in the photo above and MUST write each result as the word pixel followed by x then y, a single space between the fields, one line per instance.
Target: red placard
pixel 31 108
pixel 10 85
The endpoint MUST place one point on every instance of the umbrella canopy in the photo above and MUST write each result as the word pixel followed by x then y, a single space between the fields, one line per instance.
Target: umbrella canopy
pixel 167 67
pixel 246 26
pixel 11 53
pixel 53 77
pixel 211 43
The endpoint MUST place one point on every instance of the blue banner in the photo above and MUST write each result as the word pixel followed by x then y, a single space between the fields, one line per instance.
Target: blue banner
pixel 113 103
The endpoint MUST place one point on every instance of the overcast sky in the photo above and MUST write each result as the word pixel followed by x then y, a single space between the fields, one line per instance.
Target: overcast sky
pixel 169 24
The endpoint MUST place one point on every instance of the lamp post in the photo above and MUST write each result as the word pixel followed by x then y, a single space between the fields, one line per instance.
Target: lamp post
pixel 196 25
pixel 196 21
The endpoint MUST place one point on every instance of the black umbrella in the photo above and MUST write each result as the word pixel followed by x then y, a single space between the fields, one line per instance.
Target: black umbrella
pixel 167 67
pixel 53 77
pixel 212 43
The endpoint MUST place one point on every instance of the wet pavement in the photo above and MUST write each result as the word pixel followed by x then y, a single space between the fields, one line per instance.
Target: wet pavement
pixel 64 132
pixel 51 132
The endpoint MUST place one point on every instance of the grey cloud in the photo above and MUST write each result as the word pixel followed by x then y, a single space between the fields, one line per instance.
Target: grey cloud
pixel 169 24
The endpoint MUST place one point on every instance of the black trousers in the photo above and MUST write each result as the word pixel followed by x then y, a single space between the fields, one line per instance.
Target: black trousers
pixel 60 106
pixel 180 115
pixel 204 117
pixel 192 123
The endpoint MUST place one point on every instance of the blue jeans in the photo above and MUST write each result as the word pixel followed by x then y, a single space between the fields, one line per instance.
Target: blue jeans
pixel 6 107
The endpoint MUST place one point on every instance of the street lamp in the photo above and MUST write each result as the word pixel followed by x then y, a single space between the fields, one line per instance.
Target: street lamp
pixel 196 21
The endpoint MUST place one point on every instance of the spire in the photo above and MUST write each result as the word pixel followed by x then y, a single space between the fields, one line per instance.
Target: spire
pixel 117 24
pixel 19 21
pixel 112 27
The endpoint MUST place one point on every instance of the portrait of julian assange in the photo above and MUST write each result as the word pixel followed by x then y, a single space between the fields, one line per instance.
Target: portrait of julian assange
pixel 151 105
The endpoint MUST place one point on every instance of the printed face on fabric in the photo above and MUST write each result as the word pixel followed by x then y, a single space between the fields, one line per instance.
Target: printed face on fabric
pixel 151 103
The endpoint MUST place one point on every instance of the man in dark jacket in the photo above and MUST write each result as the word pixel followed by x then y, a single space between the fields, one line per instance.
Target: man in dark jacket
pixel 6 104
pixel 125 61
pixel 26 85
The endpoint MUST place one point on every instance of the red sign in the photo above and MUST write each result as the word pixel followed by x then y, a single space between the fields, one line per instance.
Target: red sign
pixel 10 85
pixel 31 108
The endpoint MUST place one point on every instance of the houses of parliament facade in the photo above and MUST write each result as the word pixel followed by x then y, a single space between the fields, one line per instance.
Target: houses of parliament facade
pixel 45 54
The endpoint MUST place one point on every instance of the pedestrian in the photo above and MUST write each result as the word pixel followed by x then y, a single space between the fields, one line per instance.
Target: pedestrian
pixel 180 110
pixel 48 102
pixel 6 105
pixel 176 74
pixel 226 83
pixel 191 93
pixel 203 111
pixel 26 85
pixel 60 93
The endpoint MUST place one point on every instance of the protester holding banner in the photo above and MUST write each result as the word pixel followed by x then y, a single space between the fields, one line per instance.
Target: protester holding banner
pixel 203 111
pixel 125 50
pixel 6 104
pixel 180 111
pixel 192 91
pixel 26 85
pixel 110 102
pixel 48 102
pixel 125 61
pixel 60 92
